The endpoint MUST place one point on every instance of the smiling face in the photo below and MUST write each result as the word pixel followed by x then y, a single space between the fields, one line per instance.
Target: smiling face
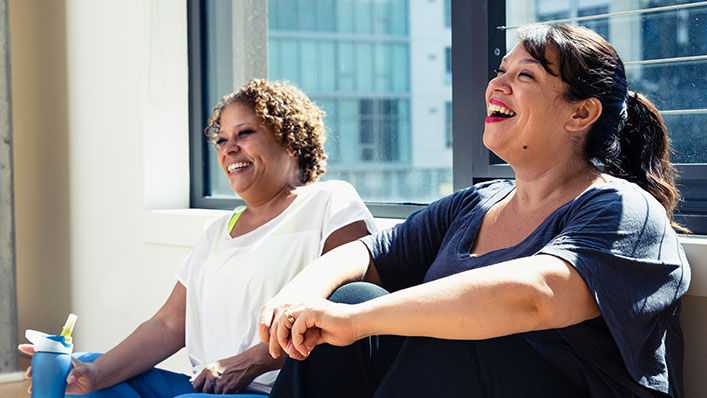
pixel 526 111
pixel 255 163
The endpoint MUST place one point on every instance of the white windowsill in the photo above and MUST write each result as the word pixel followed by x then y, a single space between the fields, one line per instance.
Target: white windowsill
pixel 182 227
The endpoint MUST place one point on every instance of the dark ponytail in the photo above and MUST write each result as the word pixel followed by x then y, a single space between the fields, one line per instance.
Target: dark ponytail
pixel 644 156
pixel 629 138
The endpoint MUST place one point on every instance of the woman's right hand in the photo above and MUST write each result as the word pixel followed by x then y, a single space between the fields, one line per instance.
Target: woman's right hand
pixel 316 321
pixel 82 378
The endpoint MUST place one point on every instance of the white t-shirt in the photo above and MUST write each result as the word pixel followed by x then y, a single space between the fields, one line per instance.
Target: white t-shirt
pixel 228 280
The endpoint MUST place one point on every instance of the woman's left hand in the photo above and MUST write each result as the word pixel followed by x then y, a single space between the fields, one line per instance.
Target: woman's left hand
pixel 227 376
pixel 231 375
pixel 317 321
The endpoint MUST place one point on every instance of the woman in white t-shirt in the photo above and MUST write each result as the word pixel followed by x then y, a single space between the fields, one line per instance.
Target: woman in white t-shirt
pixel 270 142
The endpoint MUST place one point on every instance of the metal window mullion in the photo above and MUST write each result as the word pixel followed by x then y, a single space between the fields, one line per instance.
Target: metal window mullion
pixel 469 60
pixel 197 145
pixel 683 111
pixel 477 48
pixel 667 60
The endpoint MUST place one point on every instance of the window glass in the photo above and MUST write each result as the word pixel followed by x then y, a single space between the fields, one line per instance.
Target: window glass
pixel 664 49
pixel 386 112
pixel 381 71
pixel 363 15
pixel 344 10
pixel 218 53
pixel 325 15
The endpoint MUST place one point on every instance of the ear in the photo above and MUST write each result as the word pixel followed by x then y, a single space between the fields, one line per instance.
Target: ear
pixel 585 113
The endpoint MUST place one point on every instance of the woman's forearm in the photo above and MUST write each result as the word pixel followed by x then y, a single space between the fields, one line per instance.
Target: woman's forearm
pixel 528 294
pixel 152 342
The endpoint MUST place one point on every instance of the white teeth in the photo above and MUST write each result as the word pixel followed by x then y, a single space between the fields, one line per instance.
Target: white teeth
pixel 498 108
pixel 239 165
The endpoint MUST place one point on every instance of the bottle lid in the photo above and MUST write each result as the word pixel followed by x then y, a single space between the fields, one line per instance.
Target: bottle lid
pixel 48 343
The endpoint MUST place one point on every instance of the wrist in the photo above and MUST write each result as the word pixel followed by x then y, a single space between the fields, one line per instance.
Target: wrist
pixel 99 377
pixel 264 362
pixel 360 318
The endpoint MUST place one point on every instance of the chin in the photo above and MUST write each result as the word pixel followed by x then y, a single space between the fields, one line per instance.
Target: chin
pixel 488 142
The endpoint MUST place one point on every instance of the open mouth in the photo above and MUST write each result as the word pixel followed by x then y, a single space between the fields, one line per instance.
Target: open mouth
pixel 233 167
pixel 496 109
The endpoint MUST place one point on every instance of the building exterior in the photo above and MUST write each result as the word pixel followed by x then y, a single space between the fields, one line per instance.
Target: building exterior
pixel 381 69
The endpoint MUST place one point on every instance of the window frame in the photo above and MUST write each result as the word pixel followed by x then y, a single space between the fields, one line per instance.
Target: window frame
pixel 473 62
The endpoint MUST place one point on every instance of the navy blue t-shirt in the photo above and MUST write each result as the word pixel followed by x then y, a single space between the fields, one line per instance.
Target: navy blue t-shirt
pixel 616 235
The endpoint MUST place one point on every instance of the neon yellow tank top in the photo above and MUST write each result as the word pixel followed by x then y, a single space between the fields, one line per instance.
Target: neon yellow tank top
pixel 235 217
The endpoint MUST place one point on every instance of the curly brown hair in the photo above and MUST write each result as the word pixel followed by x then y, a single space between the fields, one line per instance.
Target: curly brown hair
pixel 296 122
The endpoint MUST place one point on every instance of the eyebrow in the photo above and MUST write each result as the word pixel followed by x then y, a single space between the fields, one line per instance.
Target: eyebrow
pixel 238 126
pixel 523 61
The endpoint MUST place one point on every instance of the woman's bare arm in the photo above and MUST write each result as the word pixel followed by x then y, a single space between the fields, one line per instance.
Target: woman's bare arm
pixel 153 341
pixel 532 293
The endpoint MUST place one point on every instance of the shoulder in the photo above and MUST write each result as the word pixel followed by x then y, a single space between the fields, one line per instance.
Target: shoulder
pixel 623 204
pixel 214 225
pixel 331 186
pixel 331 189
pixel 481 192
pixel 620 195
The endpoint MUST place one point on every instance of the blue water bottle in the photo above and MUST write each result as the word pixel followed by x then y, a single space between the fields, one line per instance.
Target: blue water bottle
pixel 51 362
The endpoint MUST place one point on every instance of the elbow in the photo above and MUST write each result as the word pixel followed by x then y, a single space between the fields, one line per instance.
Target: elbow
pixel 553 311
pixel 172 326
pixel 548 313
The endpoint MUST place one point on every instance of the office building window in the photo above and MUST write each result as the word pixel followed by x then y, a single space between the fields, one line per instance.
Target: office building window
pixel 355 59
pixel 663 44
pixel 367 64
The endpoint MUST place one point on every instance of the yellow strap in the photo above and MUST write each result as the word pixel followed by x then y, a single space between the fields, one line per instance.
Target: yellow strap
pixel 234 218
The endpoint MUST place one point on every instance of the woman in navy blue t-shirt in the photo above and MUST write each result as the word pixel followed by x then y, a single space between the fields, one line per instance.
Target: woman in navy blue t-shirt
pixel 563 282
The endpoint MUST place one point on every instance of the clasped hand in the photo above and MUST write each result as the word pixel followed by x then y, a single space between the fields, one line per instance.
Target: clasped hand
pixel 227 376
pixel 316 321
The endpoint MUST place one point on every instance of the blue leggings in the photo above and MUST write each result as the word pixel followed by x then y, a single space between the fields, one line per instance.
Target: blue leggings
pixel 155 383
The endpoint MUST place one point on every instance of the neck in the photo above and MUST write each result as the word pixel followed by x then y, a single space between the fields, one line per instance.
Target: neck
pixel 553 186
pixel 272 201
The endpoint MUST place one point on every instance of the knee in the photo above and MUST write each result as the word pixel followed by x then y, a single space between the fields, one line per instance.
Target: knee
pixel 357 292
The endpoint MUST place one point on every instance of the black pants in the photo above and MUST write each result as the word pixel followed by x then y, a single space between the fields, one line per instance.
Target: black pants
pixel 393 366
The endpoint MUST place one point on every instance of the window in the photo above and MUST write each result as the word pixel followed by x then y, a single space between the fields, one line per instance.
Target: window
pixel 663 44
pixel 367 64
pixel 355 59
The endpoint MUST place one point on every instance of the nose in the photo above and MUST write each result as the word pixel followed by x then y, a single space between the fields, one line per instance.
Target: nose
pixel 229 146
pixel 499 84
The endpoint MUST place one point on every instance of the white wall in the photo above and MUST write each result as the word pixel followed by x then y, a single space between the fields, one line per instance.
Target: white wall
pixel 100 93
pixel 100 122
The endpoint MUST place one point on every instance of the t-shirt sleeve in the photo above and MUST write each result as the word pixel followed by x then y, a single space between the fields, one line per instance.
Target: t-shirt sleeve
pixel 622 244
pixel 402 254
pixel 199 253
pixel 343 207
